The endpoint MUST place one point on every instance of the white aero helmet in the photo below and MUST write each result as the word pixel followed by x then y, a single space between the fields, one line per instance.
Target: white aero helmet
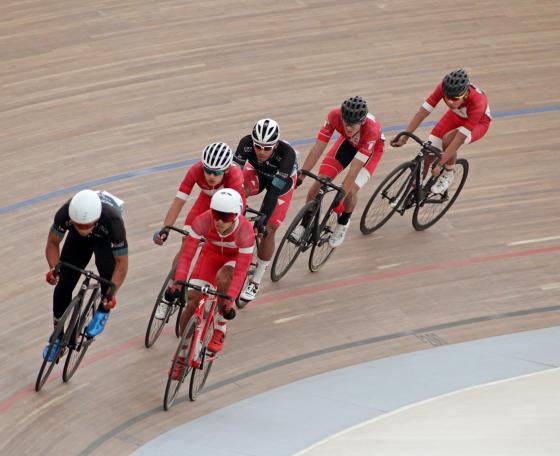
pixel 85 207
pixel 266 132
pixel 217 156
pixel 228 201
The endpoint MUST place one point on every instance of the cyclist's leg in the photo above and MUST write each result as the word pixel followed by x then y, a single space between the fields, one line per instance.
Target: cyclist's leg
pixel 223 281
pixel 440 135
pixel 77 250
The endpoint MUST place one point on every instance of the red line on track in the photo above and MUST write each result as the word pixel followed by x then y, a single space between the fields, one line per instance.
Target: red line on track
pixel 17 396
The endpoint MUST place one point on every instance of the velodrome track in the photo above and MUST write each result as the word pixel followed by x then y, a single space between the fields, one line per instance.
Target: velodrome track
pixel 123 96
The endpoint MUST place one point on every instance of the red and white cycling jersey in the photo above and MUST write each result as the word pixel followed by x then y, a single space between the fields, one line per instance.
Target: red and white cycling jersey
pixel 233 178
pixel 368 140
pixel 235 248
pixel 472 109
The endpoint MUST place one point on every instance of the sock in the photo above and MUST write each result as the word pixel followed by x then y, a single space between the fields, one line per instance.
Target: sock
pixel 260 270
pixel 220 323
pixel 344 218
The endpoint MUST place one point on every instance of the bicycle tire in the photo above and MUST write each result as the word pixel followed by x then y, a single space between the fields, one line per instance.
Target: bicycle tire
pixel 368 221
pixel 432 200
pixel 155 326
pixel 47 366
pixel 77 351
pixel 316 260
pixel 186 340
pixel 199 376
pixel 275 273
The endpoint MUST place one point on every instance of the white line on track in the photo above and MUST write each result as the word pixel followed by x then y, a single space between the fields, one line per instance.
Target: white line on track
pixel 534 241
pixel 392 265
pixel 551 286
pixel 48 404
pixel 287 319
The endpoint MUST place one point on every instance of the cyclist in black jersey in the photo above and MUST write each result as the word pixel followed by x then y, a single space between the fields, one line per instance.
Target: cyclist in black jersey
pixel 269 164
pixel 94 225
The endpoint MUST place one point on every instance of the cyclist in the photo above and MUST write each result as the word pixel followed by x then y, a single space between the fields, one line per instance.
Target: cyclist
pixel 94 225
pixel 360 145
pixel 467 120
pixel 222 263
pixel 272 166
pixel 211 173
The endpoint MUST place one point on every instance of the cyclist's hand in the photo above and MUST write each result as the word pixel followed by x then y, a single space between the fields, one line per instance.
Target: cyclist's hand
pixel 401 142
pixel 109 302
pixel 160 236
pixel 174 292
pixel 436 170
pixel 51 278
pixel 259 225
pixel 228 312
pixel 299 178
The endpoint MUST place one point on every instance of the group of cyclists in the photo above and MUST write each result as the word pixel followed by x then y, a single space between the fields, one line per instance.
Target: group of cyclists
pixel 262 162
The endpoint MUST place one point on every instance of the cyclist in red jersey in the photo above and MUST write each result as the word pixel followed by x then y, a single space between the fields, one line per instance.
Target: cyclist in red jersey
pixel 360 145
pixel 223 260
pixel 467 120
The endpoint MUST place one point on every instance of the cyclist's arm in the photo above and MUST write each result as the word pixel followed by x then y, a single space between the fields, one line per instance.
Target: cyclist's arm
pixel 280 184
pixel 119 274
pixel 313 155
pixel 174 210
pixel 52 249
pixel 349 183
pixel 240 157
pixel 417 119
pixel 187 255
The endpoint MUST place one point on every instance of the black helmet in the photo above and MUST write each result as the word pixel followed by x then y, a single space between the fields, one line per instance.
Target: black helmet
pixel 455 83
pixel 354 109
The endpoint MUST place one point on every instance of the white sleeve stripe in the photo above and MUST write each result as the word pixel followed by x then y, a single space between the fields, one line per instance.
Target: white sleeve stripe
pixel 361 157
pixel 466 132
pixel 427 106
pixel 194 235
pixel 246 249
pixel 182 195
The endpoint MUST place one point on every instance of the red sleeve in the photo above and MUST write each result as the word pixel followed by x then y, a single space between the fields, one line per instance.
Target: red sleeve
pixel 475 111
pixel 199 229
pixel 434 98
pixel 246 243
pixel 235 180
pixel 190 179
pixel 328 129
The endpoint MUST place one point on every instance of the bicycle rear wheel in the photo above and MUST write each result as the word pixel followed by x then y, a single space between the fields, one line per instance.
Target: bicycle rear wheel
pixel 156 325
pixel 289 249
pixel 434 207
pixel 199 376
pixel 78 347
pixel 60 332
pixel 183 350
pixel 321 250
pixel 386 198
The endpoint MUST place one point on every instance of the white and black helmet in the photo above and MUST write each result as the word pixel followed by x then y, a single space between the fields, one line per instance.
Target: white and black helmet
pixel 228 201
pixel 266 132
pixel 217 156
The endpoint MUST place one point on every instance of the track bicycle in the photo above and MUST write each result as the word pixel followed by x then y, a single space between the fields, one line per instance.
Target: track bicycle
pixel 409 186
pixel 192 354
pixel 70 330
pixel 155 324
pixel 316 235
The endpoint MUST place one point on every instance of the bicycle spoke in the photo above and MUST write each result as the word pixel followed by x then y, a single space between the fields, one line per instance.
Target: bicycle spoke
pixel 321 250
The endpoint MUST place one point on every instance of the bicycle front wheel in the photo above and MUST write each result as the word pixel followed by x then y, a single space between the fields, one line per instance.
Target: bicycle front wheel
pixel 183 351
pixel 199 375
pixel 434 207
pixel 321 250
pixel 290 248
pixel 60 332
pixel 386 198
pixel 79 346
pixel 156 325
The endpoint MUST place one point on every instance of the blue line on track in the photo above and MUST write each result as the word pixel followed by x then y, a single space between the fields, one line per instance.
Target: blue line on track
pixel 181 164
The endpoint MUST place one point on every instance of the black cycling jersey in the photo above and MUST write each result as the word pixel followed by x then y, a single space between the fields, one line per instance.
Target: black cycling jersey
pixel 110 227
pixel 275 174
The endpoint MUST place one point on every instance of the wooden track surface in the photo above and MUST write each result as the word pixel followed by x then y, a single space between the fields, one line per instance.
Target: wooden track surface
pixel 93 90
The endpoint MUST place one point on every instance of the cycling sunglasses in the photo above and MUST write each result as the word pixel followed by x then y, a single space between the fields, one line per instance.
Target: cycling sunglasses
pixel 263 147
pixel 460 97
pixel 215 172
pixel 84 226
pixel 223 216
